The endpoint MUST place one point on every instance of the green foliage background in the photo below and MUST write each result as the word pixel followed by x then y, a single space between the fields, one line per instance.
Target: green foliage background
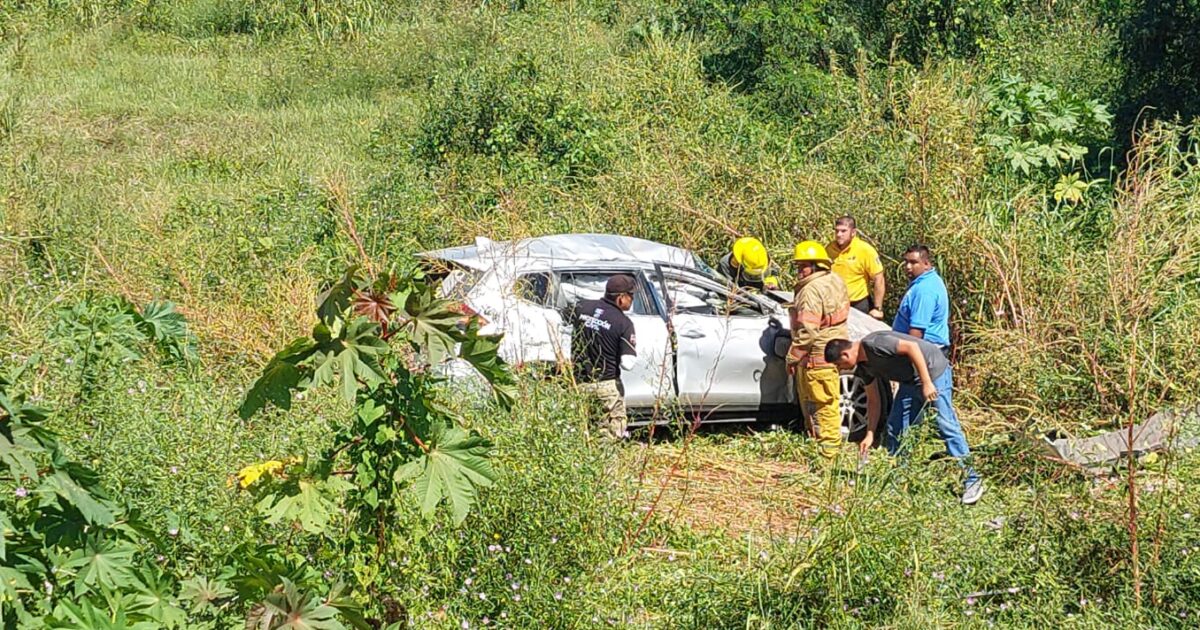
pixel 208 152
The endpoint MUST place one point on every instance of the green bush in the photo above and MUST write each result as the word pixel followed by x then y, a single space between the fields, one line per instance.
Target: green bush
pixel 544 535
pixel 1160 42
pixel 920 30
pixel 517 115
pixel 1037 127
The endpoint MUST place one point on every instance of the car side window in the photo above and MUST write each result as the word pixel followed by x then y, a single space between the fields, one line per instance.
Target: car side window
pixel 534 287
pixel 575 286
pixel 700 298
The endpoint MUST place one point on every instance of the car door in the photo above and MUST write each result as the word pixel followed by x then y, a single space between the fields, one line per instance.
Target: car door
pixel 651 381
pixel 726 356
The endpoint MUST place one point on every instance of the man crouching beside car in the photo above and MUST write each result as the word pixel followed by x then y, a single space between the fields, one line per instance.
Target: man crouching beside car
pixel 602 344
pixel 924 375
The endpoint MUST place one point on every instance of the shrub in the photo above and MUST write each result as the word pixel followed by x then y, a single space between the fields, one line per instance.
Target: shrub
pixel 516 115
pixel 102 333
pixel 921 30
pixel 1081 317
pixel 1036 127
pixel 1160 42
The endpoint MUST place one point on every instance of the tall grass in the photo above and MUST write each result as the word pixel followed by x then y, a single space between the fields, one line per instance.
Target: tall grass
pixel 205 152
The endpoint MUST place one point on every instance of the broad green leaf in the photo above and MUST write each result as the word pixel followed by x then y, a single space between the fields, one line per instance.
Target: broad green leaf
pixel 353 359
pixel 334 301
pixel 362 335
pixel 454 468
pixel 93 510
pixel 168 328
pixel 1064 122
pixel 1075 152
pixel 12 582
pixel 85 615
pixel 107 565
pixel 278 379
pixel 203 593
pixel 324 368
pixel 293 609
pixel 9 407
pixel 1020 158
pixel 1099 112
pixel 349 609
pixel 154 599
pixel 346 362
pixel 24 436
pixel 262 567
pixel 434 325
pixel 481 352
pixel 997 141
pixel 61 527
pixel 17 454
pixel 308 506
pixel 1011 116
pixel 369 411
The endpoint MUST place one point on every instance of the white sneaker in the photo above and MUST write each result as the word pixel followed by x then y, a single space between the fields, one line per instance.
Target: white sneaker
pixel 972 492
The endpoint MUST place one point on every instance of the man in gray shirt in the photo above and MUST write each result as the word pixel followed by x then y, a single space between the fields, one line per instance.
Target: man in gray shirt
pixel 924 377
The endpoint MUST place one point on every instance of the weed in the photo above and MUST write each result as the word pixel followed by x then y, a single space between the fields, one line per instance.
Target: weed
pixel 204 152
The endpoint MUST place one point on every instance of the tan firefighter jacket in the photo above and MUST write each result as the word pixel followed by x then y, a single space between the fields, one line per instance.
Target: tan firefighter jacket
pixel 819 313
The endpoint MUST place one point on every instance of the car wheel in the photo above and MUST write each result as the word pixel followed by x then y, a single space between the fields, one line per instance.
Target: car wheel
pixel 853 405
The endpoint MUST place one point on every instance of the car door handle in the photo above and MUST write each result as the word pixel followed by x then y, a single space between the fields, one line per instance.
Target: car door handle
pixel 692 334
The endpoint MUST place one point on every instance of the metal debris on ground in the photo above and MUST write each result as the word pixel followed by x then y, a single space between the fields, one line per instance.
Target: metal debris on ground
pixel 1164 430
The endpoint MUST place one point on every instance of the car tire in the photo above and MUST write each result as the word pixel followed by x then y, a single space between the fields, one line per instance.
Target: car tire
pixel 853 407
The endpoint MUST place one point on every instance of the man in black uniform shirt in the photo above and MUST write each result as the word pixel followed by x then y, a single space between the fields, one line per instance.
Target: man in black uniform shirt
pixel 602 344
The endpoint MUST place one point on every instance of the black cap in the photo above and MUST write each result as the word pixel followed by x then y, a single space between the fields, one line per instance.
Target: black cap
pixel 620 283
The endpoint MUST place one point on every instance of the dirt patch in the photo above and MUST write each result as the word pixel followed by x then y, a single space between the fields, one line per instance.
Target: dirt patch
pixel 715 492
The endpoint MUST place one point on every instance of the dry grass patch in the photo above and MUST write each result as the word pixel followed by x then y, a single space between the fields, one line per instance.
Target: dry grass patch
pixel 715 490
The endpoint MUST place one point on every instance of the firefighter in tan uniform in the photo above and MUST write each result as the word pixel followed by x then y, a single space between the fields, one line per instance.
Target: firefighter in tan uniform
pixel 818 314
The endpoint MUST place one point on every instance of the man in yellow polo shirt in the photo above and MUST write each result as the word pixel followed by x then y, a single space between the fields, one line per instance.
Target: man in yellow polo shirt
pixel 858 264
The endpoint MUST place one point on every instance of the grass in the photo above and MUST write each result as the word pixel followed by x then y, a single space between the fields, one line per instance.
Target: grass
pixel 213 168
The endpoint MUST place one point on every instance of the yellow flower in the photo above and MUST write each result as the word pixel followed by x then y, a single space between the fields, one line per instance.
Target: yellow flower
pixel 248 475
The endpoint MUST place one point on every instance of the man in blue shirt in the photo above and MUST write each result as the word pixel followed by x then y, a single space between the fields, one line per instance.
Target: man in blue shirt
pixel 924 311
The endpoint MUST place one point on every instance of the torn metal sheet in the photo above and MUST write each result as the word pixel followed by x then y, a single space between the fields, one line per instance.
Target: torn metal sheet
pixel 1164 429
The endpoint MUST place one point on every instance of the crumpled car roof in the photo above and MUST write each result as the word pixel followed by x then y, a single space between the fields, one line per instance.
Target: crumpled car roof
pixel 566 248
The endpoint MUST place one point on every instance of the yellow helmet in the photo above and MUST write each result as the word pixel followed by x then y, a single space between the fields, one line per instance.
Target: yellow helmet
pixel 751 256
pixel 811 251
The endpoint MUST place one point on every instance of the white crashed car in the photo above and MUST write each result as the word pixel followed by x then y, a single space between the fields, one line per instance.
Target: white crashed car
pixel 703 345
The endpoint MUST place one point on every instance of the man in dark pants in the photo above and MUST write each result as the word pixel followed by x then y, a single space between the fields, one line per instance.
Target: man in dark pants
pixel 923 373
pixel 602 344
